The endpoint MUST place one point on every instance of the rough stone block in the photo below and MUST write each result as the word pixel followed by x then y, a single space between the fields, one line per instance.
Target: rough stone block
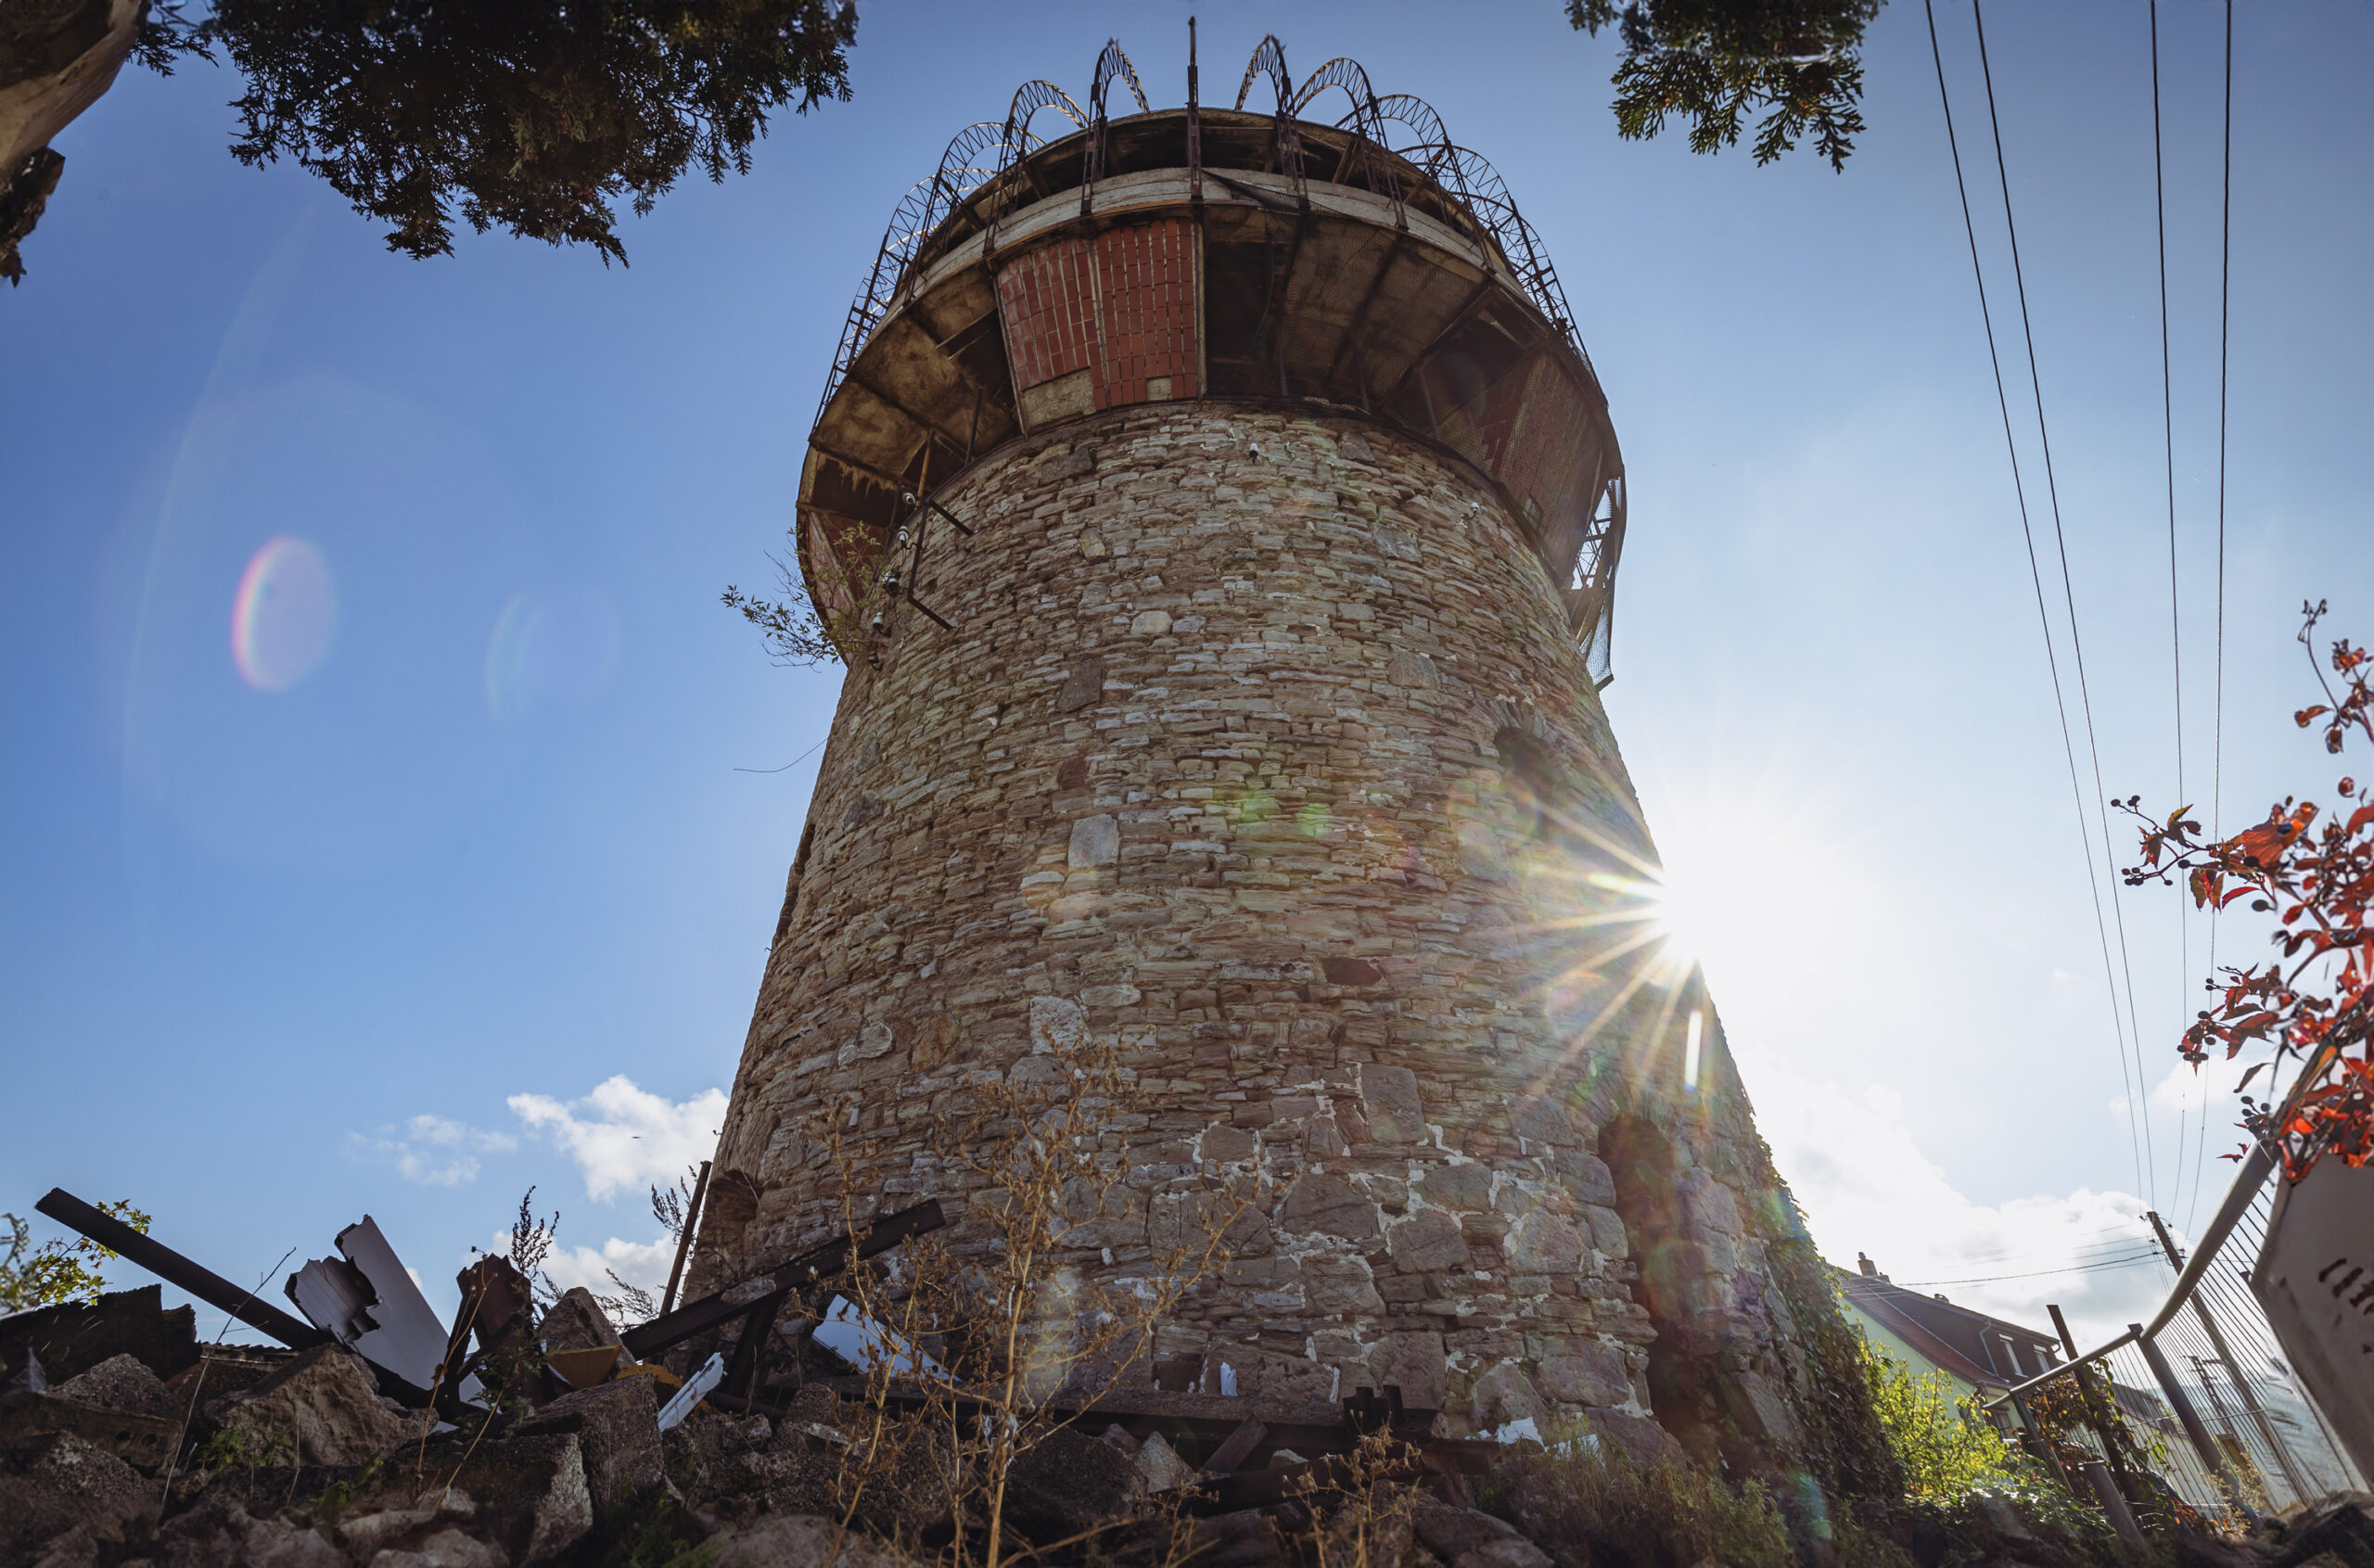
pixel 1586 1372
pixel 1390 1104
pixel 1413 1362
pixel 1339 1285
pixel 1327 1204
pixel 1465 1188
pixel 1503 1394
pixel 1057 1024
pixel 1426 1241
pixel 1095 841
pixel 1542 1243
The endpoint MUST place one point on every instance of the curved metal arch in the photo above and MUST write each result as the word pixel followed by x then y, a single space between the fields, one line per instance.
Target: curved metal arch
pixel 1342 72
pixel 1269 56
pixel 1405 109
pixel 1366 125
pixel 1028 100
pixel 1111 62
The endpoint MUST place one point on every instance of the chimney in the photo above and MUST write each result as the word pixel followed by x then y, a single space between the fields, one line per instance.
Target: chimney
pixel 1870 1270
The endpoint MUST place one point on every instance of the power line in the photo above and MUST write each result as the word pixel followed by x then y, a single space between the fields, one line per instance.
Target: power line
pixel 2148 1254
pixel 2069 596
pixel 2036 576
pixel 2218 703
pixel 2176 615
pixel 2117 1238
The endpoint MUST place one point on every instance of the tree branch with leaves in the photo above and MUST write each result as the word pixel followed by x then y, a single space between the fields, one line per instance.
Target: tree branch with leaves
pixel 2315 874
pixel 1713 63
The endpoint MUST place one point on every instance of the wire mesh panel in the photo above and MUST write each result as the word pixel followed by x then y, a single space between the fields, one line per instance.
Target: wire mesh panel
pixel 2209 1418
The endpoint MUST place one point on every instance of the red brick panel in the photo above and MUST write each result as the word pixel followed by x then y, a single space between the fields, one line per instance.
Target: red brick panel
pixel 1146 277
pixel 1049 303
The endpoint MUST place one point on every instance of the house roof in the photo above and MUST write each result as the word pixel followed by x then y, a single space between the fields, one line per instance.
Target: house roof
pixel 1965 1343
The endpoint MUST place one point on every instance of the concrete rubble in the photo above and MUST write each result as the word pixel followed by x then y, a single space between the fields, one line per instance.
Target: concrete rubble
pixel 533 1434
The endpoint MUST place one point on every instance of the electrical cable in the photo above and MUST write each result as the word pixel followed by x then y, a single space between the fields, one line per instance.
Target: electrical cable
pixel 2117 1240
pixel 2069 596
pixel 2149 1253
pixel 2052 662
pixel 2175 616
pixel 2218 702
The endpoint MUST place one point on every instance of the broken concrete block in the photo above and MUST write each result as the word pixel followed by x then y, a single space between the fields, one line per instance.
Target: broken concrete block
pixel 447 1548
pixel 122 1382
pixel 55 1484
pixel 617 1432
pixel 577 1322
pixel 1513 1551
pixel 1068 1482
pixel 528 1494
pixel 799 1540
pixel 1451 1533
pixel 1160 1467
pixel 220 1528
pixel 323 1407
pixel 144 1441
pixel 1238 1540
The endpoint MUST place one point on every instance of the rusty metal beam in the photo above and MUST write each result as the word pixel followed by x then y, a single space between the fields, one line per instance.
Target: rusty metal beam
pixel 175 1269
pixel 811 1268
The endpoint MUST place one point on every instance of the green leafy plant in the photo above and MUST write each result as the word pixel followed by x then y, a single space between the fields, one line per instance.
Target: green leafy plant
pixel 57 1270
pixel 1947 1448
pixel 1636 1515
pixel 1714 62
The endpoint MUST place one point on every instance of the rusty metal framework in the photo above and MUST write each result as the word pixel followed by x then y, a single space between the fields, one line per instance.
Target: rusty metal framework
pixel 990 153
pixel 1473 179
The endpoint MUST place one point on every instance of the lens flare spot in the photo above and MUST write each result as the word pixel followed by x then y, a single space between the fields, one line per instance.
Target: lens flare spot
pixel 555 647
pixel 283 614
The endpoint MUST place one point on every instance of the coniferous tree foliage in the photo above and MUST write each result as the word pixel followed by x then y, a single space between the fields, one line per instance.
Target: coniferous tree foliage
pixel 1715 62
pixel 527 115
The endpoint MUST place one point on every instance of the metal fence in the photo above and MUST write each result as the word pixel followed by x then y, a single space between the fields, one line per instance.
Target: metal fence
pixel 2198 1403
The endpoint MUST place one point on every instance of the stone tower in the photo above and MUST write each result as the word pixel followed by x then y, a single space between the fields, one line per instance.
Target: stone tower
pixel 1218 517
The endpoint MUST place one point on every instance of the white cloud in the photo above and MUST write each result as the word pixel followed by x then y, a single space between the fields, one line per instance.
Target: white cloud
pixel 623 1138
pixel 1857 1167
pixel 432 1151
pixel 638 1263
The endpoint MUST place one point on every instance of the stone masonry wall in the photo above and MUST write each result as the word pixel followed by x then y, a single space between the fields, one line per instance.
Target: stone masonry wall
pixel 1260 752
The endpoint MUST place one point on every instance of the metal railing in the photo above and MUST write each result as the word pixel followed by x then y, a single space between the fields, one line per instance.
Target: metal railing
pixel 2202 1400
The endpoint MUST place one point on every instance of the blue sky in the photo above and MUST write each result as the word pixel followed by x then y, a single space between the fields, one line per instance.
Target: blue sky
pixel 270 959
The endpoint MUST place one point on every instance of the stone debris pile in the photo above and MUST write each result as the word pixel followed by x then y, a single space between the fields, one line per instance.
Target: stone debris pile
pixel 373 1434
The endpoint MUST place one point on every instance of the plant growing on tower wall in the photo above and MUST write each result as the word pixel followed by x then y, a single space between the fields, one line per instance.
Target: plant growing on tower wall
pixel 1044 1295
pixel 2315 874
